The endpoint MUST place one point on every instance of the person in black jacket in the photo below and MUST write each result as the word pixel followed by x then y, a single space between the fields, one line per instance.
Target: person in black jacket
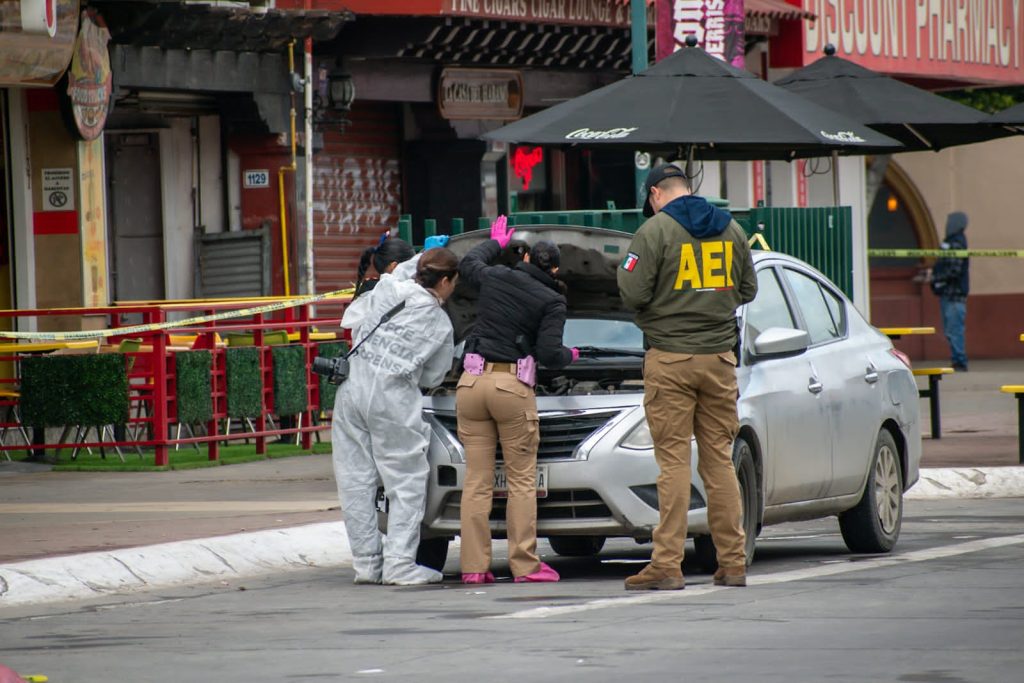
pixel 520 317
pixel 951 283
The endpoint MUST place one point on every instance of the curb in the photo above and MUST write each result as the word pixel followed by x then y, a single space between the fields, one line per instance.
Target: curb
pixel 128 570
pixel 323 545
pixel 968 482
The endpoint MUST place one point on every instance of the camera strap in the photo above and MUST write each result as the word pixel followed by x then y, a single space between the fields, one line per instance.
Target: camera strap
pixel 383 319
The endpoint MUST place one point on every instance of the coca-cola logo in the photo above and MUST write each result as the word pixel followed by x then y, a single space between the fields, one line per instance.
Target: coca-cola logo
pixel 89 77
pixel 842 136
pixel 610 134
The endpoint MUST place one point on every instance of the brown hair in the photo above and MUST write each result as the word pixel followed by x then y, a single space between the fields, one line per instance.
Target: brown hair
pixel 435 265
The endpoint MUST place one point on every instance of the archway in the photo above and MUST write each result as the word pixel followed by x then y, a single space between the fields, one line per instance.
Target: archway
pixel 899 219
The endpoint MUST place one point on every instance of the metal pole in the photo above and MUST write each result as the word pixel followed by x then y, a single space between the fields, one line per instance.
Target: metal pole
pixel 638 35
pixel 309 166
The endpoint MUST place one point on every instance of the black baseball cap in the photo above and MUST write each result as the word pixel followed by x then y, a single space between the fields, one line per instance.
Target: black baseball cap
pixel 657 174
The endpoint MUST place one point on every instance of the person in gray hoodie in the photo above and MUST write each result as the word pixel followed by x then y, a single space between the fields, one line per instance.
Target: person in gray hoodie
pixel 951 283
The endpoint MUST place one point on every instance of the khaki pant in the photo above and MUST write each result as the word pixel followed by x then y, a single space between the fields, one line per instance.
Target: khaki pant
pixel 685 395
pixel 493 406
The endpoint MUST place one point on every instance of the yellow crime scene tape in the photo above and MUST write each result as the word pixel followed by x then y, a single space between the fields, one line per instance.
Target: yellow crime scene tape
pixel 175 324
pixel 951 253
pixel 759 240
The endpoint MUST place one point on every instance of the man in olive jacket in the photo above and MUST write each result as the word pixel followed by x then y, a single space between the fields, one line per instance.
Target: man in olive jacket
pixel 687 271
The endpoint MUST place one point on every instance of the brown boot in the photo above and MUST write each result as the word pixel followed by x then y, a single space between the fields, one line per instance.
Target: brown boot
pixel 654 579
pixel 731 576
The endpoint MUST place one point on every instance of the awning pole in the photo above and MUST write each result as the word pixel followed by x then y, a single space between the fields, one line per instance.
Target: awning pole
pixel 638 35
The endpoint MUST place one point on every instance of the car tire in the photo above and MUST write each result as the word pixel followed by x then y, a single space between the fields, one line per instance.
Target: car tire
pixel 433 553
pixel 576 546
pixel 873 525
pixel 706 555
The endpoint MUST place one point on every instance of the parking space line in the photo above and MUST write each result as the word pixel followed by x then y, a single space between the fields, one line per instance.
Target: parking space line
pixel 772 579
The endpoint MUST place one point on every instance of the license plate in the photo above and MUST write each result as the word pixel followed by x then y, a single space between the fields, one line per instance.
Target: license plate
pixel 501 481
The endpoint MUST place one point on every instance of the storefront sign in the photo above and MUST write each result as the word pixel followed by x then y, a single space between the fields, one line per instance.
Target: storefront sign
pixel 89 78
pixel 975 41
pixel 717 24
pixel 572 12
pixel 92 217
pixel 58 190
pixel 36 41
pixel 495 94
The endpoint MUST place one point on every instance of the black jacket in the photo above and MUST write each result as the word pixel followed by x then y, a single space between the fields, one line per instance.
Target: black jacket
pixel 514 302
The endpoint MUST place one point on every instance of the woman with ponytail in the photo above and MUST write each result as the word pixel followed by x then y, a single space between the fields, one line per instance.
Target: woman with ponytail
pixel 386 255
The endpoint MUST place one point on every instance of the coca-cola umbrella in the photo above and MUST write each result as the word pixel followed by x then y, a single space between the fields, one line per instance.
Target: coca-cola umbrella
pixel 921 120
pixel 695 101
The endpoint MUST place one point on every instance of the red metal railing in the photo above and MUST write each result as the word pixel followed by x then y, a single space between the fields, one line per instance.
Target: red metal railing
pixel 152 390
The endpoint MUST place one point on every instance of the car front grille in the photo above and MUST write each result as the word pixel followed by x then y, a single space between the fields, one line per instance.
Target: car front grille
pixel 559 435
pixel 557 505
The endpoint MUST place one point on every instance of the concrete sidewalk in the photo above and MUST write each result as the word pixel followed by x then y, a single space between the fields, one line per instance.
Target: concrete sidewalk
pixel 69 535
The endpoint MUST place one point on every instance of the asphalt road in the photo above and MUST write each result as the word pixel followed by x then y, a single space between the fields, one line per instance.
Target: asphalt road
pixel 948 606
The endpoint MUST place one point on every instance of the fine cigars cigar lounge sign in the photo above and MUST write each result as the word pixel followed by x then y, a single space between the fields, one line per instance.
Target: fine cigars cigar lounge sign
pixel 495 94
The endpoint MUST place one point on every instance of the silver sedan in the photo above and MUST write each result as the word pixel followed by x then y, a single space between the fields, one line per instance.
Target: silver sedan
pixel 828 413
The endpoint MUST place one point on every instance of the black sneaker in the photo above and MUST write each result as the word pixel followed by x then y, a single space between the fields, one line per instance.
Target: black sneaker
pixel 959 367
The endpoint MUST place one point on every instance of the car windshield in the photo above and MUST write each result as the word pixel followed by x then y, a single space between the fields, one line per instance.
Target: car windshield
pixel 603 333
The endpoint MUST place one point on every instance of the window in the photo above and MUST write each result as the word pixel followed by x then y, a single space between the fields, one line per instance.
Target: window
pixel 823 312
pixel 769 308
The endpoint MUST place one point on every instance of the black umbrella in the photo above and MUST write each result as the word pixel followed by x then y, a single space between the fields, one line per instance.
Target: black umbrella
pixel 919 119
pixel 694 100
pixel 1014 116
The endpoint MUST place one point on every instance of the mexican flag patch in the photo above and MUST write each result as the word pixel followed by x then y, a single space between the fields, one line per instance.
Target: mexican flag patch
pixel 629 263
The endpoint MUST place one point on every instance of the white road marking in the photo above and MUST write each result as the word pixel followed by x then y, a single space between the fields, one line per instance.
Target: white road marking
pixel 772 579
pixel 172 506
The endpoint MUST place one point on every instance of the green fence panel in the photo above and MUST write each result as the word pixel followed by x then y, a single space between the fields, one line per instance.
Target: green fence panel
pixel 821 236
pixel 193 394
pixel 90 390
pixel 289 371
pixel 244 382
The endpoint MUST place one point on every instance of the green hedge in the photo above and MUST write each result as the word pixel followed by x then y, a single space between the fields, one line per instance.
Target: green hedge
pixel 289 379
pixel 88 389
pixel 194 389
pixel 244 383
pixel 328 390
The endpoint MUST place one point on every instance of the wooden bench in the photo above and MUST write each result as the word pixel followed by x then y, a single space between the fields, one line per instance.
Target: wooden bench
pixel 1018 391
pixel 934 375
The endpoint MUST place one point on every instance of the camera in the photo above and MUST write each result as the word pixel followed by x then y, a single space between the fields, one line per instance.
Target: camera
pixel 334 369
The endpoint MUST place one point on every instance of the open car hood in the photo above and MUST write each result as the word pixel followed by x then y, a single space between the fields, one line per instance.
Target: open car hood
pixel 589 259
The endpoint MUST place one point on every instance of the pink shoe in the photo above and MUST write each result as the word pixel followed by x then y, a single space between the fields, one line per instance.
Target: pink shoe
pixel 486 577
pixel 543 575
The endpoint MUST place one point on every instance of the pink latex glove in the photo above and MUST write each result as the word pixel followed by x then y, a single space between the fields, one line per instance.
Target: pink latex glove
pixel 575 354
pixel 500 232
pixel 9 676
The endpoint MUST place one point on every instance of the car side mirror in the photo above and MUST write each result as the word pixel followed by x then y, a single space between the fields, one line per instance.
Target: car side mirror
pixel 780 342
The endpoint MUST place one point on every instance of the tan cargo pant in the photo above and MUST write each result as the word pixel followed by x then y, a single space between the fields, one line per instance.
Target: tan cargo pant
pixel 492 406
pixel 686 395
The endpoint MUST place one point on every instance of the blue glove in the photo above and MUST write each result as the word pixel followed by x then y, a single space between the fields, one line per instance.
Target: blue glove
pixel 435 241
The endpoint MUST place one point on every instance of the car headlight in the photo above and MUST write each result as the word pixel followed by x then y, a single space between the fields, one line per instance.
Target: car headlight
pixel 639 438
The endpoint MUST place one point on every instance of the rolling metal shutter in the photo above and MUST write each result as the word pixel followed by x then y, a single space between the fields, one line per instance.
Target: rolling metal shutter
pixel 357 191
pixel 232 264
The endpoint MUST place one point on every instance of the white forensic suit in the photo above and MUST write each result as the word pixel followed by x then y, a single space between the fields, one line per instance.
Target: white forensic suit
pixel 378 433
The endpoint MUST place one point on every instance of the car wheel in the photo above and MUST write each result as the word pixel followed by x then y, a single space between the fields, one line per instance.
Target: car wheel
pixel 874 524
pixel 433 553
pixel 746 476
pixel 576 546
